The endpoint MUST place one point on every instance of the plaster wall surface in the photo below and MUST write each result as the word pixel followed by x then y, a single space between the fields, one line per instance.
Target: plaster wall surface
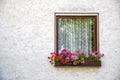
pixel 27 38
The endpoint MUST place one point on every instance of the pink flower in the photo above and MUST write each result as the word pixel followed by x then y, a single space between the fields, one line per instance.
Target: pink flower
pixel 67 59
pixel 82 59
pixel 68 53
pixel 83 62
pixel 74 57
pixel 75 63
pixel 62 61
pixel 100 55
pixel 95 53
pixel 91 52
pixel 79 51
pixel 65 52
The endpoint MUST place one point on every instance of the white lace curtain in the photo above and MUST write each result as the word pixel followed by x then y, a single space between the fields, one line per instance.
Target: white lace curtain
pixel 75 33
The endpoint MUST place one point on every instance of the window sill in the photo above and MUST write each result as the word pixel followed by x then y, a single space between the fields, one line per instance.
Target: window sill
pixel 90 63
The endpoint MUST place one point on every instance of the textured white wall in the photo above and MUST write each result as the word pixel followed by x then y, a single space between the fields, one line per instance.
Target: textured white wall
pixel 27 37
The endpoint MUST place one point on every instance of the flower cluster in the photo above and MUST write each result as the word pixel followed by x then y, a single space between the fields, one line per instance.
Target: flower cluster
pixel 66 56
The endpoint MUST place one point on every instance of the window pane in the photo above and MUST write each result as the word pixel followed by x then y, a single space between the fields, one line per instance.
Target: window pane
pixel 75 33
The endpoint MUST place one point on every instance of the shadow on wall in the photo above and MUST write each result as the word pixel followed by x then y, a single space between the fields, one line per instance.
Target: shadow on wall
pixel 76 69
pixel 118 4
pixel 2 4
pixel 1 78
pixel 76 8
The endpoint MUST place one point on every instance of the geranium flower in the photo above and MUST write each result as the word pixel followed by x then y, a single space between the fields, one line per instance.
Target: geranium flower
pixel 100 54
pixel 67 59
pixel 95 53
pixel 65 52
pixel 65 56
pixel 62 61
pixel 58 56
pixel 74 57
pixel 53 53
pixel 75 63
pixel 82 60
pixel 68 53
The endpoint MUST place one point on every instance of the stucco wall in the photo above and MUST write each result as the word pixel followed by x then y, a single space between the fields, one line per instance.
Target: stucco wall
pixel 27 38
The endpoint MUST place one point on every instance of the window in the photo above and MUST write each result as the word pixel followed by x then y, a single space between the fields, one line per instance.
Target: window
pixel 76 30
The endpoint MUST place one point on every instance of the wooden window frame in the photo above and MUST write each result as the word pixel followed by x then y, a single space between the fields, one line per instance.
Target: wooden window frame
pixel 95 15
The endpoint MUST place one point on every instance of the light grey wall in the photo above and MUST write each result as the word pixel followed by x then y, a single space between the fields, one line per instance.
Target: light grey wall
pixel 27 38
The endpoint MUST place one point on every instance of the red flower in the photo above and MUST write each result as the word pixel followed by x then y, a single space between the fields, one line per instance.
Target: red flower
pixel 54 53
pixel 57 56
pixel 51 53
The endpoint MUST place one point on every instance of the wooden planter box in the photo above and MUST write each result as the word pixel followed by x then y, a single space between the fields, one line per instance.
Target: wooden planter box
pixel 90 63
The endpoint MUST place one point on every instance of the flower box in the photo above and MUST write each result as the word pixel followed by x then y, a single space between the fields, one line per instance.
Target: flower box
pixel 87 63
pixel 67 58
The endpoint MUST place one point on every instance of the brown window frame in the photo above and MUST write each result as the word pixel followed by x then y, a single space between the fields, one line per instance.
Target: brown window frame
pixel 80 15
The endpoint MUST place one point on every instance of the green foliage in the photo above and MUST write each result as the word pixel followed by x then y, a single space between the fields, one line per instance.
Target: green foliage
pixel 93 58
pixel 81 56
pixel 64 56
pixel 57 59
pixel 78 61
